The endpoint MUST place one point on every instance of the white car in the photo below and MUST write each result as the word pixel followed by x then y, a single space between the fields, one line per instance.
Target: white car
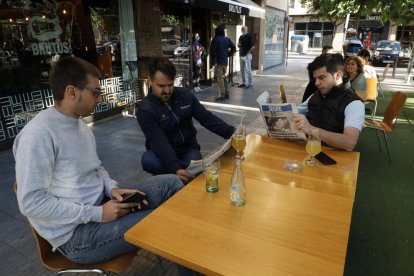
pixel 183 50
pixel 169 45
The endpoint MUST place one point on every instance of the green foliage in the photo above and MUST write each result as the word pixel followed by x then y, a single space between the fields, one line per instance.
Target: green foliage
pixel 399 11
pixel 173 20
pixel 336 10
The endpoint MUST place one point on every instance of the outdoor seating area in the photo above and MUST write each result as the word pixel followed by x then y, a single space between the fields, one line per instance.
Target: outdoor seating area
pixel 356 214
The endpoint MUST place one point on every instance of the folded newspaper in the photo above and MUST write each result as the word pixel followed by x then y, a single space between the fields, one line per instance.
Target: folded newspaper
pixel 278 119
pixel 196 167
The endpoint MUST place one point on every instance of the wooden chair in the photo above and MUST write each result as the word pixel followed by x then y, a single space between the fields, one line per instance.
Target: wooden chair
pixel 282 94
pixel 370 95
pixel 388 124
pixel 57 261
pixel 382 78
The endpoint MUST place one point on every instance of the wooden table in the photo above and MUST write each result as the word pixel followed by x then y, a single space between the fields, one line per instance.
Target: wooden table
pixel 292 223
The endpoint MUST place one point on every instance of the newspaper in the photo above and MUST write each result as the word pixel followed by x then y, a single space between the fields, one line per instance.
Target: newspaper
pixel 278 119
pixel 196 167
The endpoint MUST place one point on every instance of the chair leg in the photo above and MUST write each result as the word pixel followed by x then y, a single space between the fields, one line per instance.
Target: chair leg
pixel 386 144
pixel 374 110
pixel 379 144
pixel 379 88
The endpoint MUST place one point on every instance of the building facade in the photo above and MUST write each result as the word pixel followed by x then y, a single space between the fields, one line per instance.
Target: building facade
pixel 322 32
pixel 119 37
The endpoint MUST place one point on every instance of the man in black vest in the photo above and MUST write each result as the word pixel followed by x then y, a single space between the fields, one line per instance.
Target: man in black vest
pixel 334 113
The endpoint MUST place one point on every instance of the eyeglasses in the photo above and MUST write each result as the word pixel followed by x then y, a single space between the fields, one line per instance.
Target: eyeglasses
pixel 95 92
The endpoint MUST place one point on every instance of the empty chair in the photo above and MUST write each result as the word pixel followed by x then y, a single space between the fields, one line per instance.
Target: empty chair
pixel 282 94
pixel 370 95
pixel 382 78
pixel 388 124
pixel 57 261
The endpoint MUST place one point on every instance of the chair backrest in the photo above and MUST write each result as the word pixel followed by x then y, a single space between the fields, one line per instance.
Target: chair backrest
pixel 393 109
pixel 384 73
pixel 282 94
pixel 371 92
pixel 56 261
pixel 132 65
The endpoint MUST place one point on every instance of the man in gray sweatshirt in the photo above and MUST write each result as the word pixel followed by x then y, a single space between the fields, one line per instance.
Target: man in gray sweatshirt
pixel 62 187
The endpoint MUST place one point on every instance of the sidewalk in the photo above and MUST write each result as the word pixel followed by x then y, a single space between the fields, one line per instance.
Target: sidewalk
pixel 120 139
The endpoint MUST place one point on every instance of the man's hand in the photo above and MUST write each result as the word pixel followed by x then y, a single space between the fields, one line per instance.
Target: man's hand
pixel 118 193
pixel 302 123
pixel 113 210
pixel 184 175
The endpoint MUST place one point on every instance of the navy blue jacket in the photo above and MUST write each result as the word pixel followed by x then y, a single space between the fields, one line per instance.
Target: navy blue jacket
pixel 221 48
pixel 170 128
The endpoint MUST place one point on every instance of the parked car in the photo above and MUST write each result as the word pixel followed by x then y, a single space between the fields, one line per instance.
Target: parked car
pixel 183 50
pixel 387 51
pixel 8 59
pixel 169 45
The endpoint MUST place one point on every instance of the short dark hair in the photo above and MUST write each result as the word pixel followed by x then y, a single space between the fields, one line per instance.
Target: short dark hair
pixel 333 63
pixel 327 47
pixel 70 71
pixel 162 64
pixel 365 54
pixel 219 30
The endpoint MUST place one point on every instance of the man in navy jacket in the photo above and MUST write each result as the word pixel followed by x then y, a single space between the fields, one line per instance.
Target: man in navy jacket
pixel 165 117
pixel 220 51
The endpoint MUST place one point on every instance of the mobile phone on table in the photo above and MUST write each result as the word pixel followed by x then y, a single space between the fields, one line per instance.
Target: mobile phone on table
pixel 136 197
pixel 325 159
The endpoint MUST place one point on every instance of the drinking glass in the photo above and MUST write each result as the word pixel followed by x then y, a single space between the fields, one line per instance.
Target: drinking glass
pixel 313 147
pixel 211 171
pixel 238 141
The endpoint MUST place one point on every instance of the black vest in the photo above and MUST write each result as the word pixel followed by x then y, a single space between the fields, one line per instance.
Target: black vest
pixel 328 112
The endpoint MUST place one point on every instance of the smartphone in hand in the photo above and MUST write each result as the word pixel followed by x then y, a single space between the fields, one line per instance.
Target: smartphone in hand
pixel 325 159
pixel 136 197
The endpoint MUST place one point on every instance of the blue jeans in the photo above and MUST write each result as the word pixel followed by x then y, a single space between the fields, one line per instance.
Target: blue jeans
pixel 96 242
pixel 152 164
pixel 246 67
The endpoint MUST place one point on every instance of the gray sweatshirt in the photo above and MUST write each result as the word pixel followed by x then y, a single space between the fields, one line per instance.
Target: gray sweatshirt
pixel 60 181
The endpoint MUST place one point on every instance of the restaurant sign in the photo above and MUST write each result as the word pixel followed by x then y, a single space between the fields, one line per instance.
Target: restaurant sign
pixel 234 8
pixel 44 26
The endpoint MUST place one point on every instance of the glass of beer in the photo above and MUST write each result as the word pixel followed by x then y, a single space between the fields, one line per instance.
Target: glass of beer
pixel 238 141
pixel 211 169
pixel 313 147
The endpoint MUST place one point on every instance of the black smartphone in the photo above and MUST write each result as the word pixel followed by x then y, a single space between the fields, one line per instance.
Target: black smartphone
pixel 325 159
pixel 136 197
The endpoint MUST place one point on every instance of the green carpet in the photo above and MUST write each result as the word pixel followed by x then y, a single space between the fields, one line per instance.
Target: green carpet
pixel 381 240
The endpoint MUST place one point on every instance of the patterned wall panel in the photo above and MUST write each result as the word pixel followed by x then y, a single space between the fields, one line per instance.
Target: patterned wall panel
pixel 17 110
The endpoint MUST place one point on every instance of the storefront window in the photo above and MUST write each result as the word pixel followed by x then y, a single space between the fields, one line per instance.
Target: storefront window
pixel 320 34
pixel 176 44
pixel 35 34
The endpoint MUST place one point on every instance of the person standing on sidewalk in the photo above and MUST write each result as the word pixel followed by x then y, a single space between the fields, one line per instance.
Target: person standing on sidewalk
pixel 352 44
pixel 197 62
pixel 246 46
pixel 221 48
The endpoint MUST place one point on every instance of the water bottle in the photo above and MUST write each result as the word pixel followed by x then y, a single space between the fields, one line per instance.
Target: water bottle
pixel 237 185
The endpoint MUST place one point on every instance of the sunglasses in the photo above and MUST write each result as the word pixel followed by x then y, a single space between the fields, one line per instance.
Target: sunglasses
pixel 95 92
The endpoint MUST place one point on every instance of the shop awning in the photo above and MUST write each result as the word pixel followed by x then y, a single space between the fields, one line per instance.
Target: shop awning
pixel 254 9
pixel 245 7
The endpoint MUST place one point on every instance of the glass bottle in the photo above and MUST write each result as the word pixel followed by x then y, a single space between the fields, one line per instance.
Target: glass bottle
pixel 237 185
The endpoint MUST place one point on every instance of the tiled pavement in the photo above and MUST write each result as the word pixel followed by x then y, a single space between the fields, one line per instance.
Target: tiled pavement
pixel 120 144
